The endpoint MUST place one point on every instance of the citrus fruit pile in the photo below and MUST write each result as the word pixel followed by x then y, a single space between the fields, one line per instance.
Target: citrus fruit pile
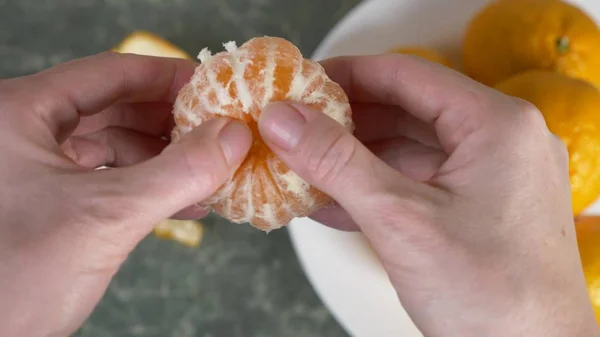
pixel 546 52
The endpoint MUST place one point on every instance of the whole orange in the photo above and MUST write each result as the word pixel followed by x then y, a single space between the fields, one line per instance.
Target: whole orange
pixel 511 36
pixel 571 108
pixel 425 53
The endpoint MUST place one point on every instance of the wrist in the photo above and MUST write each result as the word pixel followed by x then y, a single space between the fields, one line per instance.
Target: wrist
pixel 559 314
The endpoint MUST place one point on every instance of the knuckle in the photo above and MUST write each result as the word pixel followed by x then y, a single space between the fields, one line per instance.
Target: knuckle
pixel 326 163
pixel 397 65
pixel 478 108
pixel 118 64
pixel 530 115
pixel 42 105
pixel 526 124
pixel 472 119
pixel 146 69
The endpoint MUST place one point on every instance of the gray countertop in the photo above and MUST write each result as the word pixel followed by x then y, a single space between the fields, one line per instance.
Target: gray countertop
pixel 240 282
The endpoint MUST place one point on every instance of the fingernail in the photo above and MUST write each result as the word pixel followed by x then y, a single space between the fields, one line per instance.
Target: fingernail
pixel 235 139
pixel 282 125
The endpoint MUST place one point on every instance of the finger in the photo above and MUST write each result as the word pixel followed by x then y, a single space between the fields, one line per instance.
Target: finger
pixel 153 118
pixel 328 157
pixel 455 104
pixel 413 159
pixel 117 147
pixel 410 158
pixel 335 217
pixel 185 173
pixel 113 147
pixel 90 85
pixel 376 122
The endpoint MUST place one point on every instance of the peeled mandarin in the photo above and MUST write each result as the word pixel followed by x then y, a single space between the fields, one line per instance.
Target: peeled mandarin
pixel 238 83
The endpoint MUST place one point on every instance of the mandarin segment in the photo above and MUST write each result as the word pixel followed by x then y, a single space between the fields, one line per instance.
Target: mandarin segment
pixel 238 83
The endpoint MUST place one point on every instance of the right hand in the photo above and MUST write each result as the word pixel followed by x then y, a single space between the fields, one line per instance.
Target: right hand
pixel 469 213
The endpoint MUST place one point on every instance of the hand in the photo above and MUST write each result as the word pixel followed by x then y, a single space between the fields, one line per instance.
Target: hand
pixel 66 228
pixel 467 205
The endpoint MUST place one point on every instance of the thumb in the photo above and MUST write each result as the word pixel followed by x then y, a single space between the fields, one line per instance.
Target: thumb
pixel 185 173
pixel 326 155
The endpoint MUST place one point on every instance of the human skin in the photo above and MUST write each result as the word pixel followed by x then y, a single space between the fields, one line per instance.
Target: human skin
pixel 67 228
pixel 462 192
pixel 468 255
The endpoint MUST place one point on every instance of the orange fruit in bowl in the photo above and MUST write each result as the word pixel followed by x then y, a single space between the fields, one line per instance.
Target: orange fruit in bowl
pixel 238 83
pixel 425 53
pixel 511 36
pixel 571 109
pixel 588 240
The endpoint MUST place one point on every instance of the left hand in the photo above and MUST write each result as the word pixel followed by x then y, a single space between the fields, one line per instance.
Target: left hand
pixel 65 227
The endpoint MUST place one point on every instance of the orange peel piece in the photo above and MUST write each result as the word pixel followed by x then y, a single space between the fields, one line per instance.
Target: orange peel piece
pixel 186 232
pixel 145 43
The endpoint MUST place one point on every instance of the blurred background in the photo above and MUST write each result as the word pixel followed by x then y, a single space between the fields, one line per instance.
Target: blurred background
pixel 238 281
